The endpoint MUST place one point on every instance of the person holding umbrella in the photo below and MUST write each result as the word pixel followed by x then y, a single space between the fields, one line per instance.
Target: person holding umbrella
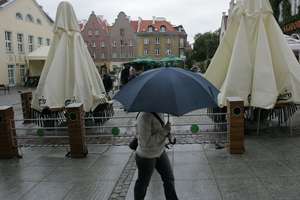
pixel 168 90
pixel 150 155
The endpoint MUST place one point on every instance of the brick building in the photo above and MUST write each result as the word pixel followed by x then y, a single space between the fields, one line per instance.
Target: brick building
pixel 96 36
pixel 128 39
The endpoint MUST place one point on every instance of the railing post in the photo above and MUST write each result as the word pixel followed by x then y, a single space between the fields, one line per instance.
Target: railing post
pixel 8 141
pixel 26 98
pixel 76 130
pixel 235 107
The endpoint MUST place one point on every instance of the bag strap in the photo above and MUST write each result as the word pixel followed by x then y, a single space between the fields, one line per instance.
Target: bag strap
pixel 158 118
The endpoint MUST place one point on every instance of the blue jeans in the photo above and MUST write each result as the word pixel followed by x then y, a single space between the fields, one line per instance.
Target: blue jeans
pixel 146 167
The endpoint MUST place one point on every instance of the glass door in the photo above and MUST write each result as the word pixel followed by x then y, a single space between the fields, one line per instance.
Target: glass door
pixel 11 75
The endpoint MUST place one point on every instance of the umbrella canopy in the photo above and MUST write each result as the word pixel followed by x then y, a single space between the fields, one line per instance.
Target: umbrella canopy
pixel 167 90
pixel 69 72
pixel 171 59
pixel 145 62
pixel 253 60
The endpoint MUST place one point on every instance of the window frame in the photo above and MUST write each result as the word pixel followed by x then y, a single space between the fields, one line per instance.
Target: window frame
pixel 20 42
pixel 30 43
pixel 8 41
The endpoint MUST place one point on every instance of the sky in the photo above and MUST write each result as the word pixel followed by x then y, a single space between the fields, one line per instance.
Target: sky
pixel 196 16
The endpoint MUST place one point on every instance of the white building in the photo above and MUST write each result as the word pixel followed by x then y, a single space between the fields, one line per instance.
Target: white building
pixel 24 27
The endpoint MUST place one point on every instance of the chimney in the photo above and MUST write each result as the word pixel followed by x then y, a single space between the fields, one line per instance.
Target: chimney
pixel 153 19
pixel 139 24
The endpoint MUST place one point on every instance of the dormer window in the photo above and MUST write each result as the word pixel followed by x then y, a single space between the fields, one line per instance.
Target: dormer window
pixel 39 21
pixel 19 16
pixel 150 28
pixel 29 18
pixel 162 29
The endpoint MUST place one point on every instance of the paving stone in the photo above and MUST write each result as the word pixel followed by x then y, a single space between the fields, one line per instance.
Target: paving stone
pixel 243 188
pixel 48 191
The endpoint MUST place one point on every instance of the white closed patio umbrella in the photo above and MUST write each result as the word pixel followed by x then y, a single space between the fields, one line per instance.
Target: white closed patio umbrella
pixel 254 60
pixel 69 72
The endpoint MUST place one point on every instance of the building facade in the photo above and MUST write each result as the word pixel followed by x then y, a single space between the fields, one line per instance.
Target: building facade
pixel 123 41
pixel 158 38
pixel 24 27
pixel 96 36
pixel 131 39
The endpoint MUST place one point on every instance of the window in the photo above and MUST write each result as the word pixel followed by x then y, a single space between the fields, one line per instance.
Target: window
pixel 146 41
pixel 122 43
pixel 103 56
pixel 94 44
pixel 131 54
pixel 168 52
pixel 22 73
pixel 40 41
pixel 30 43
pixel 19 16
pixel 181 43
pixel 162 29
pixel 150 29
pixel 180 29
pixel 157 40
pixel 130 43
pixel 39 21
pixel 48 41
pixel 114 55
pixel 157 52
pixel 145 51
pixel 122 32
pixel 94 55
pixel 20 40
pixel 102 44
pixel 90 33
pixel 168 41
pixel 8 41
pixel 29 18
pixel 114 43
pixel 11 75
pixel 97 32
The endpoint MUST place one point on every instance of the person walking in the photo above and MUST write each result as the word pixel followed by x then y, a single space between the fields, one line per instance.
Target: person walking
pixel 150 155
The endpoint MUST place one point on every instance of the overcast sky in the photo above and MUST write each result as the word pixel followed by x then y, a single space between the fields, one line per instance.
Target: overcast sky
pixel 197 16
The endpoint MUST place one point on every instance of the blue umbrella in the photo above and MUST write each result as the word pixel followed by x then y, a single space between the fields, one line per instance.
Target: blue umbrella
pixel 167 90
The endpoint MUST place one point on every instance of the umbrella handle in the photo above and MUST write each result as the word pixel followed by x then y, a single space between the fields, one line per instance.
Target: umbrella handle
pixel 168 118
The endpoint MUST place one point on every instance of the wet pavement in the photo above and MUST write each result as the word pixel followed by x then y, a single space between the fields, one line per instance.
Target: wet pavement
pixel 269 170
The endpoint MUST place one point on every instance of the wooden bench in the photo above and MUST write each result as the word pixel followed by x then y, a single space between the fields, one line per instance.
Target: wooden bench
pixel 5 88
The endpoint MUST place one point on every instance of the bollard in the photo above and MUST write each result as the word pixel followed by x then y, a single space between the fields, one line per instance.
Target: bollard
pixel 235 109
pixel 8 141
pixel 26 98
pixel 76 130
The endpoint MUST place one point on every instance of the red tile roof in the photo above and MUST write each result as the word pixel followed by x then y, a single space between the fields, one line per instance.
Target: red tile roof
pixel 157 24
pixel 134 25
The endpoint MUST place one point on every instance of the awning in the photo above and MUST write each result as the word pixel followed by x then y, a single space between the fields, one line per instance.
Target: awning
pixel 39 54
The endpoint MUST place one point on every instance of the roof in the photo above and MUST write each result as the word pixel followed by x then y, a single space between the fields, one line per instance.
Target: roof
pixel 134 25
pixel 144 24
pixel 39 54
pixel 99 19
pixel 4 3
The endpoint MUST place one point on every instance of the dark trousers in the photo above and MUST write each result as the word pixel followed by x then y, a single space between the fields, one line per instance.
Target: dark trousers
pixel 146 167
